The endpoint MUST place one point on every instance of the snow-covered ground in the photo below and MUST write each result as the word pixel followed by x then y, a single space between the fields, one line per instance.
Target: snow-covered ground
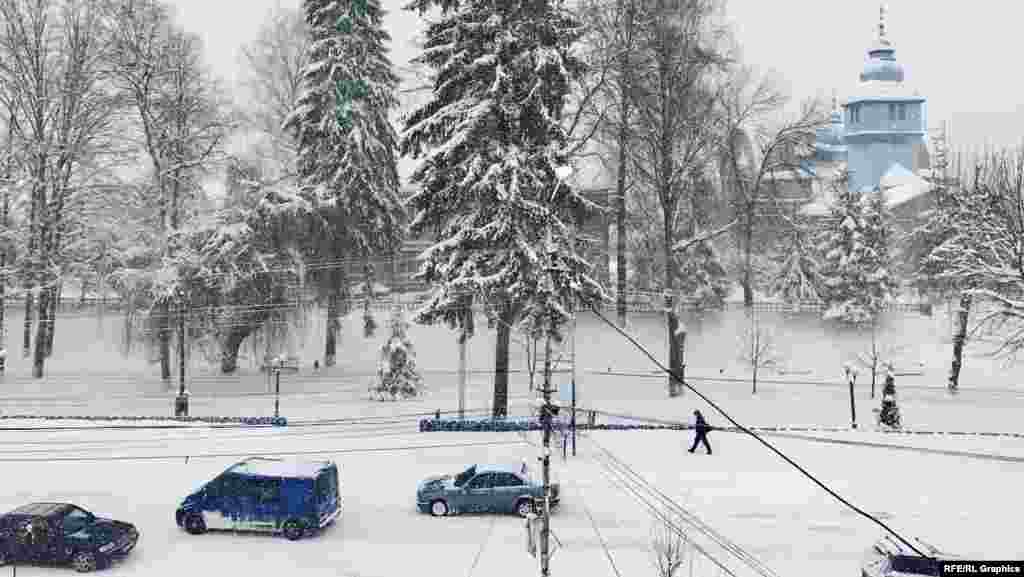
pixel 962 493
pixel 743 491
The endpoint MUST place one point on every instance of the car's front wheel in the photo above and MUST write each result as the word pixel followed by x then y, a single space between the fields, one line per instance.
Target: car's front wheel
pixel 439 508
pixel 195 524
pixel 5 557
pixel 293 530
pixel 84 562
pixel 524 507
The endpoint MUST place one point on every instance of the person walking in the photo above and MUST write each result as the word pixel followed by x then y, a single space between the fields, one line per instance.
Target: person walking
pixel 701 427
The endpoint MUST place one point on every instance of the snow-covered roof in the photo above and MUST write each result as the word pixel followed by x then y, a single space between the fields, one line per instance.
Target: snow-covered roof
pixel 502 468
pixel 884 90
pixel 263 467
pixel 901 185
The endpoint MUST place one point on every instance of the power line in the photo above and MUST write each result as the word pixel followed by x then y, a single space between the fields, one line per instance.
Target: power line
pixel 758 437
pixel 271 454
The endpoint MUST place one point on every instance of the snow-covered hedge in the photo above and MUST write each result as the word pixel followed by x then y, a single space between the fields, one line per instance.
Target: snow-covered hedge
pixel 276 421
pixel 531 424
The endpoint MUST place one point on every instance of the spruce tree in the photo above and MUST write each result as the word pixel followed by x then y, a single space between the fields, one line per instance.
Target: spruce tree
pixel 798 278
pixel 856 276
pixel 702 277
pixel 493 157
pixel 348 204
pixel 398 377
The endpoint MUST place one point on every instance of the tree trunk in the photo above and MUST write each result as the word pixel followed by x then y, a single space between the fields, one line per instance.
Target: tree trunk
pixel 963 314
pixel 501 352
pixel 754 391
pixel 26 343
pixel 675 361
pixel 39 356
pixel 620 185
pixel 748 236
pixel 229 353
pixel 51 318
pixel 620 231
pixel 164 336
pixel 330 342
pixel 3 281
pixel 128 321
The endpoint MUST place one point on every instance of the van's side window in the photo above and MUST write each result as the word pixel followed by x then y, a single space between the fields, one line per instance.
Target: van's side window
pixel 270 490
pixel 232 486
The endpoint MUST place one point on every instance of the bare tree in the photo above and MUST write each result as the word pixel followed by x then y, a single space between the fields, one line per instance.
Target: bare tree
pixel 180 118
pixel 613 37
pixel 876 358
pixel 755 149
pixel 984 255
pixel 675 100
pixel 273 76
pixel 52 79
pixel 671 551
pixel 758 349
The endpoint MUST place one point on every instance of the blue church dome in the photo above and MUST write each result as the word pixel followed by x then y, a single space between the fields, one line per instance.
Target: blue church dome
pixel 881 64
pixel 830 141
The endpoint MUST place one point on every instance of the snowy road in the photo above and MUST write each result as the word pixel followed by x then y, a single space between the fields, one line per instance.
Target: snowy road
pixel 743 492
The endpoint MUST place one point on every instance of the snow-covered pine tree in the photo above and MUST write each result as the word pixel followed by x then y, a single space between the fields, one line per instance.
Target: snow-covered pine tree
pixel 889 415
pixel 856 275
pixel 348 199
pixel 493 154
pixel 397 373
pixel 798 278
pixel 703 279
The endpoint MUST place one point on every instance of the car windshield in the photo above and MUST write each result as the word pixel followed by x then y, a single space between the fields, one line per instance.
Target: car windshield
pixel 914 565
pixel 464 476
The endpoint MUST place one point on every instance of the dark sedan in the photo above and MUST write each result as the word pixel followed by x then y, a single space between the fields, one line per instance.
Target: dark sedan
pixel 63 533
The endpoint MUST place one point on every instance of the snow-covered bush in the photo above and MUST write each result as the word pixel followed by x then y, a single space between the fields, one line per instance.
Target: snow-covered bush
pixel 397 373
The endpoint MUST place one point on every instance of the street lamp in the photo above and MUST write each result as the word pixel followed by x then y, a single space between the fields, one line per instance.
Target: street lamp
pixel 851 377
pixel 181 401
pixel 278 364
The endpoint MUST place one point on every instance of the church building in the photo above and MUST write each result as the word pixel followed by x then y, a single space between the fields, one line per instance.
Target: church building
pixel 880 136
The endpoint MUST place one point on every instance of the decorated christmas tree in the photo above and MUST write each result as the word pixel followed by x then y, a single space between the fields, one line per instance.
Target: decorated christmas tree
pixel 890 413
pixel 397 374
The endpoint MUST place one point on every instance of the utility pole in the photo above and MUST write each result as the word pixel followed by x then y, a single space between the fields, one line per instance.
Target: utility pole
pixel 462 338
pixel 546 413
pixel 573 358
pixel 851 377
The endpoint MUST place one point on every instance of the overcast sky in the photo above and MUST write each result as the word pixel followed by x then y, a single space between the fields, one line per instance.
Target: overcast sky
pixel 958 54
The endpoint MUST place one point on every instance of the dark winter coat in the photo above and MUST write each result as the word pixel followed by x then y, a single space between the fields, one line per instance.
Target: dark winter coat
pixel 702 426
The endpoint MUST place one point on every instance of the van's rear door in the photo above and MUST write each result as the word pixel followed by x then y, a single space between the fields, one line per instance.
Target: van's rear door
pixel 328 497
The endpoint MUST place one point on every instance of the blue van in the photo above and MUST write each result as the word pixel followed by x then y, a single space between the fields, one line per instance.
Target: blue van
pixel 259 494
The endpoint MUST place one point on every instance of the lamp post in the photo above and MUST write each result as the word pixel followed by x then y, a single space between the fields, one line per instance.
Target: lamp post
pixel 181 401
pixel 851 377
pixel 278 363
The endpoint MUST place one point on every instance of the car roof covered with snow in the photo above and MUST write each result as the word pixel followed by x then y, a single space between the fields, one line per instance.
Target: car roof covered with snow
pixel 519 469
pixel 265 467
